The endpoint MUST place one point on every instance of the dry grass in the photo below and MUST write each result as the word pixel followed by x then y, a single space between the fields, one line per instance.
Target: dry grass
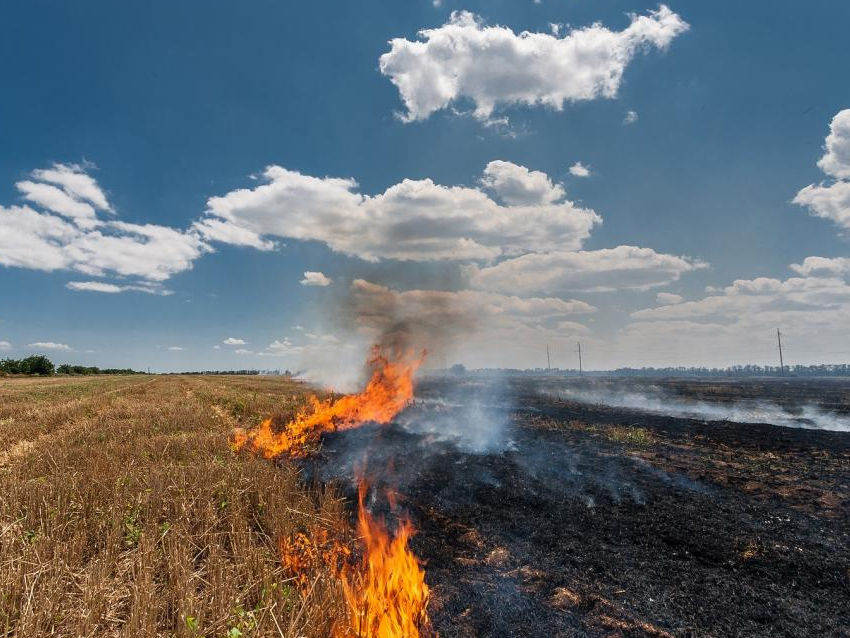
pixel 124 513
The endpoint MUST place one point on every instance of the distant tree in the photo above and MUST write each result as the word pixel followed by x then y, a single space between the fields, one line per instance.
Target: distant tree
pixel 37 364
pixel 458 369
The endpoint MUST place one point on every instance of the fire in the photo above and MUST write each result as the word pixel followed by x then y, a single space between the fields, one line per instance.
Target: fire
pixel 386 593
pixel 389 390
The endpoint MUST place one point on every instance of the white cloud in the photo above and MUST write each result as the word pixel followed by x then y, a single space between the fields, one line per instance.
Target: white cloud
pixel 284 344
pixel 49 345
pixel 136 250
pixel 827 201
pixel 312 278
pixel 68 235
pixel 631 117
pixel 5 345
pixel 518 186
pixel 29 239
pixel 668 298
pixel 76 182
pixel 415 219
pixel 832 201
pixel 836 159
pixel 176 348
pixel 101 286
pixel 761 296
pixel 216 347
pixel 493 66
pixel 327 338
pixel 580 170
pixel 608 269
pixel 243 351
pixel 231 341
pixel 822 265
pixel 218 230
pixel 738 325
pixel 58 201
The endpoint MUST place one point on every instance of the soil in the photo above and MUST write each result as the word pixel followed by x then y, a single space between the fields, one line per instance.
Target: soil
pixel 591 520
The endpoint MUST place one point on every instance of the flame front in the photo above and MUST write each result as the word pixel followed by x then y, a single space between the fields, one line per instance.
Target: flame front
pixel 386 594
pixel 389 390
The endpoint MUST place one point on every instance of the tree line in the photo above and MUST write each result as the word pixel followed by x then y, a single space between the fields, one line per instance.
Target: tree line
pixel 41 365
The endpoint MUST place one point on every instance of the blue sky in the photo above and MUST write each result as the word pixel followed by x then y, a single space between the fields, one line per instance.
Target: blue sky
pixel 166 105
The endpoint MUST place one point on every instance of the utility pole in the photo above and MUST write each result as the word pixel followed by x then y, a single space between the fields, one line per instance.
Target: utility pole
pixel 781 363
pixel 548 360
pixel 579 358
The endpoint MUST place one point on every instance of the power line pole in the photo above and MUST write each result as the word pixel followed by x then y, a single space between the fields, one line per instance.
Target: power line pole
pixel 579 358
pixel 548 360
pixel 781 362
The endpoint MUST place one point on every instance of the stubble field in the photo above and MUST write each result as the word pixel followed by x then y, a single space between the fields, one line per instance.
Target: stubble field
pixel 123 512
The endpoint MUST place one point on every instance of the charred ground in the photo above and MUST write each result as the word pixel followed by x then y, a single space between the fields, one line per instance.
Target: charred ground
pixel 588 520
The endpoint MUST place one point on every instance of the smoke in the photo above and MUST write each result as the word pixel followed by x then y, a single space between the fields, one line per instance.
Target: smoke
pixel 471 415
pixel 416 319
pixel 656 399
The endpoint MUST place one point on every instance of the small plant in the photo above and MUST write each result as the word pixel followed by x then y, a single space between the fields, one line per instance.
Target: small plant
pixel 132 528
pixel 640 437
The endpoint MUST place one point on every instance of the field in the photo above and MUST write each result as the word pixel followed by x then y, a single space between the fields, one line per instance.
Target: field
pixel 124 511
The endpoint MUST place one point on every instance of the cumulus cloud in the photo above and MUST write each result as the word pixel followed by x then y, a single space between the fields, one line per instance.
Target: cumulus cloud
pixel 493 66
pixel 580 170
pixel 822 265
pixel 102 286
pixel 49 345
pixel 836 159
pixel 68 235
pixel 414 220
pixel 829 201
pixel 312 278
pixel 608 269
pixel 630 118
pixel 832 200
pixel 5 345
pixel 176 348
pixel 232 341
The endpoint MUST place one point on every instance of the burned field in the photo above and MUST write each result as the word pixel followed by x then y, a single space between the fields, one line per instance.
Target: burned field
pixel 542 516
pixel 123 512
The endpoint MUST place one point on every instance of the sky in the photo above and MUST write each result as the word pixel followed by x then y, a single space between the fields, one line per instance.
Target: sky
pixel 219 185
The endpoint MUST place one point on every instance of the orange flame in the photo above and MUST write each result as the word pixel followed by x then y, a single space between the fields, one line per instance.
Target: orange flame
pixel 386 594
pixel 389 390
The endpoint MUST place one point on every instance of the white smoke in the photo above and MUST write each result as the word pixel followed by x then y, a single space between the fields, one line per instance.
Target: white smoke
pixel 806 416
